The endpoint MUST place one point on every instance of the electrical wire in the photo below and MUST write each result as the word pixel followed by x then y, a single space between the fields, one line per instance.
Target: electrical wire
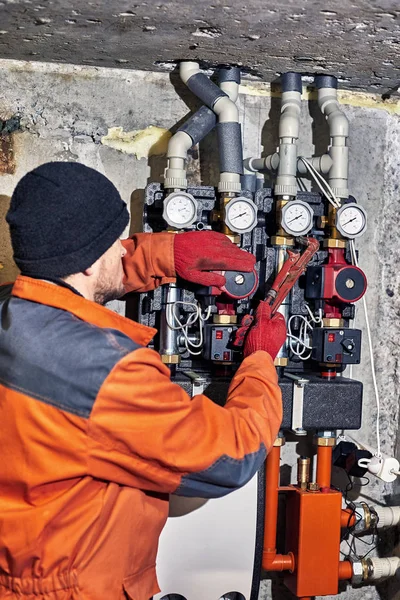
pixel 321 183
pixel 193 318
pixel 371 352
pixel 350 529
pixel 302 341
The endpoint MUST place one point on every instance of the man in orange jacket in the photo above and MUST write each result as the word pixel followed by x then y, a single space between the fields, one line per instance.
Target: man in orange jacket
pixel 94 433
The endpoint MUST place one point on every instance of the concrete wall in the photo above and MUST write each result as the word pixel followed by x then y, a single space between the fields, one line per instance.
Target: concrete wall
pixel 64 112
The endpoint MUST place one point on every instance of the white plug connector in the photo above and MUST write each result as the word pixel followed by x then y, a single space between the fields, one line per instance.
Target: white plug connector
pixel 384 467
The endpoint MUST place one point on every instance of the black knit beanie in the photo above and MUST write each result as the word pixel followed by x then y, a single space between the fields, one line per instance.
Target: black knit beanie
pixel 63 217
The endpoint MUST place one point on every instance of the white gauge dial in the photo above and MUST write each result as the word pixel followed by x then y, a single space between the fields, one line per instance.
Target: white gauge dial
pixel 297 217
pixel 180 210
pixel 351 220
pixel 241 215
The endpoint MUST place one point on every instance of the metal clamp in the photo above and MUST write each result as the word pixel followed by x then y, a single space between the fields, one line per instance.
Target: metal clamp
pixel 297 404
pixel 198 382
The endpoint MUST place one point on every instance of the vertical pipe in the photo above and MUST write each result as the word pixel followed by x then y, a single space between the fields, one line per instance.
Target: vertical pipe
pixel 272 468
pixel 324 466
pixel 289 125
pixel 169 349
pixel 271 560
pixel 338 131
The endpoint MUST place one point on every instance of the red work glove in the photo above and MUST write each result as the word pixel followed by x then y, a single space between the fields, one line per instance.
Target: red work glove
pixel 265 333
pixel 198 253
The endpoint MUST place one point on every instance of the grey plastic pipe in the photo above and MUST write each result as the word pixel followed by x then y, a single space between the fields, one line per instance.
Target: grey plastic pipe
pixel 338 131
pixel 190 133
pixel 289 126
pixel 228 128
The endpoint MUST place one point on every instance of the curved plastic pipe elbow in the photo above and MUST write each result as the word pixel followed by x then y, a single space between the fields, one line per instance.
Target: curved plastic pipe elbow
pixel 329 105
pixel 226 110
pixel 179 145
pixel 187 69
pixel 231 89
pixel 338 123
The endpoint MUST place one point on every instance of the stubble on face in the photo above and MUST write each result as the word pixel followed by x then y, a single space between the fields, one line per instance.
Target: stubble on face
pixel 109 284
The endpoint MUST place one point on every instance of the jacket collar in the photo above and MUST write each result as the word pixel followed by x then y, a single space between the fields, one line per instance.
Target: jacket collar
pixel 47 293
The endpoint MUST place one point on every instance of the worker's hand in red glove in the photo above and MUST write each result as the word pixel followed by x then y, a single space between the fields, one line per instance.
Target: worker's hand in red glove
pixel 265 333
pixel 198 253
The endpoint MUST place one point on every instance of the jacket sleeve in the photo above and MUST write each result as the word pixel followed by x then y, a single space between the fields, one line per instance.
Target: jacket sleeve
pixel 145 431
pixel 149 261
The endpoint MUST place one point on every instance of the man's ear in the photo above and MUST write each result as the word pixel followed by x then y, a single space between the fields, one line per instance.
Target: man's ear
pixel 89 271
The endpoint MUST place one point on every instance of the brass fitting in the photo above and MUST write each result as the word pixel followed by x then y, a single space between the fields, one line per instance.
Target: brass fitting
pixel 335 240
pixel 334 243
pixel 313 486
pixel 282 240
pixel 234 237
pixel 281 361
pixel 170 359
pixel 328 322
pixel 224 200
pixel 279 442
pixel 303 472
pixel 225 319
pixel 325 441
pixel 322 222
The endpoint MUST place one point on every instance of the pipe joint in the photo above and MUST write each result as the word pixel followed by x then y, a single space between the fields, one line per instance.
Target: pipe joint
pixel 179 145
pixel 272 561
pixel 226 110
pixel 187 69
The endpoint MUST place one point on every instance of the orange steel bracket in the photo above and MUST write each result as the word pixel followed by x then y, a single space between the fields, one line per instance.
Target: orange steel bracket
pixel 272 561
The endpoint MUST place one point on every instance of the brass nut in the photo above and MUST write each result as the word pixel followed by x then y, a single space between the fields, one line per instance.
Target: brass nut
pixel 235 239
pixel 224 319
pixel 279 442
pixel 313 486
pixel 170 359
pixel 281 203
pixel 326 442
pixel 365 568
pixel 281 361
pixel 332 323
pixel 332 243
pixel 281 240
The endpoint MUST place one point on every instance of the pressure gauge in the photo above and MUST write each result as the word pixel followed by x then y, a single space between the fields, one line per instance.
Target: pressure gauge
pixel 297 217
pixel 241 214
pixel 351 220
pixel 180 210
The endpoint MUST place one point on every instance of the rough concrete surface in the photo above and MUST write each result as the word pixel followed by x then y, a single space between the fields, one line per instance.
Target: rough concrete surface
pixel 64 111
pixel 358 41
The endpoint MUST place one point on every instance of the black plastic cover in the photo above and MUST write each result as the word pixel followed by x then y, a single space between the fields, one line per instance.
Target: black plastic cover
pixel 205 89
pixel 291 82
pixel 229 74
pixel 326 81
pixel 230 148
pixel 200 124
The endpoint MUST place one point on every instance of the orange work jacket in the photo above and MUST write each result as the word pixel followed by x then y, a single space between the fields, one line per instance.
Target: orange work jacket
pixel 94 436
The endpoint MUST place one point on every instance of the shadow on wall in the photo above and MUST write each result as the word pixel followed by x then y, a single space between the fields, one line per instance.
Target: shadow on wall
pixel 8 269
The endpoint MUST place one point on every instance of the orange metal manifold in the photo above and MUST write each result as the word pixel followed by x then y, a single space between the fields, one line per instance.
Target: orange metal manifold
pixel 314 520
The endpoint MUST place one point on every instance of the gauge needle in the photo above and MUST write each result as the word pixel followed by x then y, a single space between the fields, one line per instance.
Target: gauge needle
pixel 295 219
pixel 237 216
pixel 353 219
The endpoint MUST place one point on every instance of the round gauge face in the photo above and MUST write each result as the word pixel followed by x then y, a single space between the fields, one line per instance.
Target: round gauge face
pixel 180 209
pixel 351 220
pixel 297 217
pixel 241 215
